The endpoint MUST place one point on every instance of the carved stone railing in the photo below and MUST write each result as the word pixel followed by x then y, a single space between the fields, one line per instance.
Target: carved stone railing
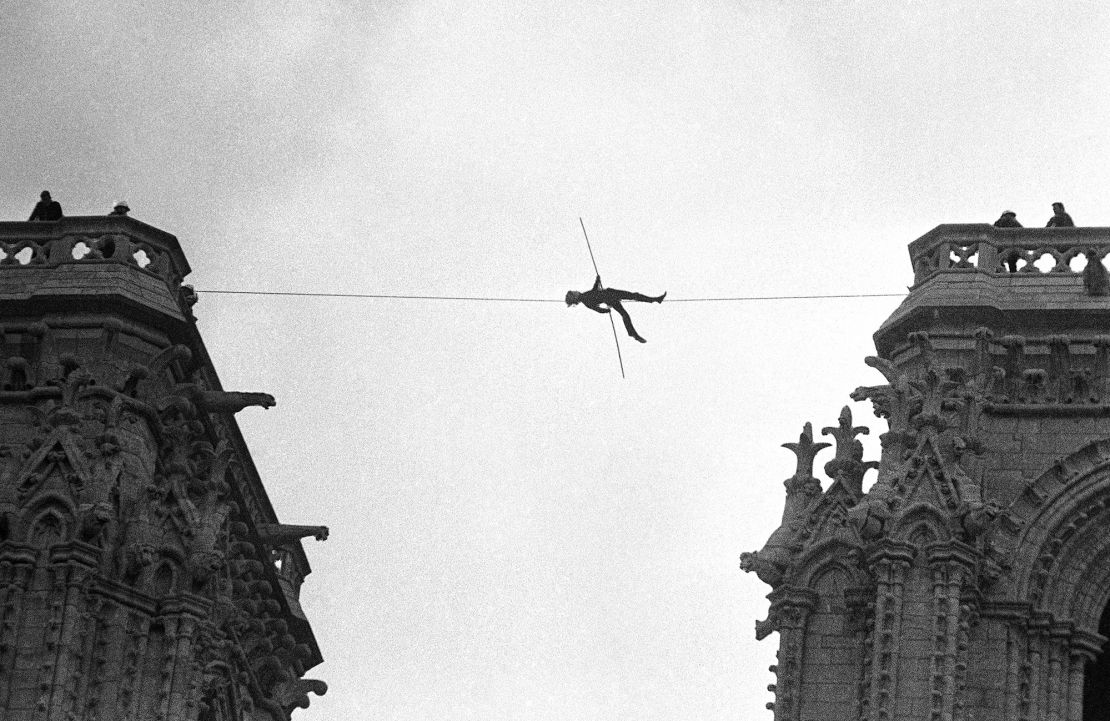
pixel 92 239
pixel 986 249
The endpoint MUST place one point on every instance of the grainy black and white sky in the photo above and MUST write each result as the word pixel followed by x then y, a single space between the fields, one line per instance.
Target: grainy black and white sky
pixel 517 533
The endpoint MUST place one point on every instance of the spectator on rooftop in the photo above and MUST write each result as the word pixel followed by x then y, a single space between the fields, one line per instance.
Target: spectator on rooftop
pixel 1008 219
pixel 46 209
pixel 1059 218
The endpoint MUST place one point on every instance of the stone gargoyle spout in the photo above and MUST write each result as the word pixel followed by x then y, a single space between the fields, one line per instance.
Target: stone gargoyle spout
pixel 769 565
pixel 277 534
pixel 224 401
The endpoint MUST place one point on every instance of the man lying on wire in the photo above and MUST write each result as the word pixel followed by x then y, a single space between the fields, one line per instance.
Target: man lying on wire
pixel 596 297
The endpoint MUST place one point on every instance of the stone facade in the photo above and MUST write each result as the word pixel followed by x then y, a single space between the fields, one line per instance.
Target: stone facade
pixel 971 581
pixel 143 572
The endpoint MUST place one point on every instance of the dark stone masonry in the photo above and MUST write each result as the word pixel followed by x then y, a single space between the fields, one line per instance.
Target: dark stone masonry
pixel 143 572
pixel 971 581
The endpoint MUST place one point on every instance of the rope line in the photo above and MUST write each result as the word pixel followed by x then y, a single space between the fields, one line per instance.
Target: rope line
pixel 786 297
pixel 540 300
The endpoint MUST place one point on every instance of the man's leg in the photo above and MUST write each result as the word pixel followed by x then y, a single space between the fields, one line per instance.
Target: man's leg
pixel 629 295
pixel 627 321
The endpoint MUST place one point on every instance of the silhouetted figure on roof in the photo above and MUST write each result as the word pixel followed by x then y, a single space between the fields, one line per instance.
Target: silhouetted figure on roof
pixel 46 209
pixel 120 208
pixel 1095 278
pixel 1059 218
pixel 1008 219
pixel 597 297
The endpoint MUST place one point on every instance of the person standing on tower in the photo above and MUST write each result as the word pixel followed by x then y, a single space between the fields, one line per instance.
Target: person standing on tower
pixel 1059 218
pixel 611 298
pixel 46 209
pixel 1008 219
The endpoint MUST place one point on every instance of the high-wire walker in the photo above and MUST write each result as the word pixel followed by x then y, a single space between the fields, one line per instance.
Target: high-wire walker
pixel 612 324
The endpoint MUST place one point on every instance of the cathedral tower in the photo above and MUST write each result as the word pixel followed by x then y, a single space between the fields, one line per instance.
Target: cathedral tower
pixel 971 581
pixel 143 572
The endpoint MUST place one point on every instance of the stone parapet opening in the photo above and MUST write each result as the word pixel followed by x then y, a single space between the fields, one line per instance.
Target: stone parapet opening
pixel 89 240
pixel 1021 251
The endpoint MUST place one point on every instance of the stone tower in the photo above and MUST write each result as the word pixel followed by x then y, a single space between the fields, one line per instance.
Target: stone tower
pixel 143 573
pixel 971 581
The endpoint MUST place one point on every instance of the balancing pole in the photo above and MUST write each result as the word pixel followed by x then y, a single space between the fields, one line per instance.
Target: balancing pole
pixel 596 271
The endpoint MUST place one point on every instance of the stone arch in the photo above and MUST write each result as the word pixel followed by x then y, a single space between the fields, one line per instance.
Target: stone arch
pixel 824 557
pixel 163 577
pixel 921 523
pixel 1061 558
pixel 832 648
pixel 1056 536
pixel 48 527
pixel 48 520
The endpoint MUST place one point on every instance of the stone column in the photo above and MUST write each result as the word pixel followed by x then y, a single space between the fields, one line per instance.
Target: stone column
pixel 184 614
pixel 17 564
pixel 889 563
pixel 73 565
pixel 951 565
pixel 1036 668
pixel 1083 648
pixel 790 607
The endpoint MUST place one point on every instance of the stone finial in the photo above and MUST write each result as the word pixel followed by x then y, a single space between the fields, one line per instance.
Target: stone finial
pixel 848 466
pixel 806 450
pixel 772 561
pixel 937 400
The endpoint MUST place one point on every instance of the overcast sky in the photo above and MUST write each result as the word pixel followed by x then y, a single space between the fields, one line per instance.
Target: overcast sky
pixel 517 532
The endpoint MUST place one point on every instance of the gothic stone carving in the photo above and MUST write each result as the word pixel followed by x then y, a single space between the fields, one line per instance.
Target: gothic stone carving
pixel 125 534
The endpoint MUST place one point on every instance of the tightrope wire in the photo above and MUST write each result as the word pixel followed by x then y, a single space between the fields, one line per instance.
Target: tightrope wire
pixel 542 300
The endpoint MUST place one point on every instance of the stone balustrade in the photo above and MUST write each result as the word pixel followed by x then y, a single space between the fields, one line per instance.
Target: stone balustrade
pixel 92 239
pixel 984 248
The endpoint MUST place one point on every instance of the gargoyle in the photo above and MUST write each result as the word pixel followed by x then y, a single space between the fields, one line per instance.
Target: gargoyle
pixel 136 557
pixel 94 518
pixel 18 374
pixel 870 516
pixel 770 565
pixel 223 401
pixel 294 694
pixel 203 565
pixel 976 518
pixel 278 534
